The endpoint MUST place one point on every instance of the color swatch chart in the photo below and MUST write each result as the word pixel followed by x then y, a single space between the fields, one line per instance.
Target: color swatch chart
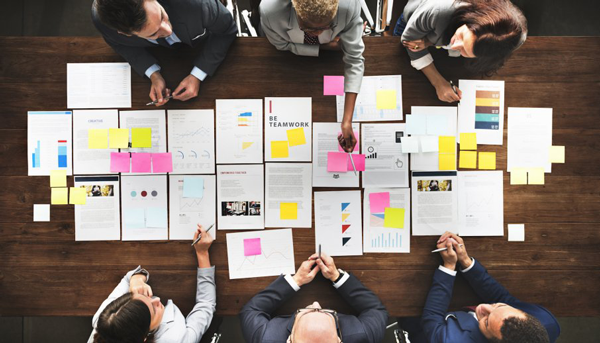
pixel 487 110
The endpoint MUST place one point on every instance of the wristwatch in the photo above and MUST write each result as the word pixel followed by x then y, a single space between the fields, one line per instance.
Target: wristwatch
pixel 340 276
pixel 142 271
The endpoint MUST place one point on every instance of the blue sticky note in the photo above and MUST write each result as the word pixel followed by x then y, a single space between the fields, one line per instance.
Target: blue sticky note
pixel 193 187
pixel 437 124
pixel 416 124
pixel 156 217
pixel 134 218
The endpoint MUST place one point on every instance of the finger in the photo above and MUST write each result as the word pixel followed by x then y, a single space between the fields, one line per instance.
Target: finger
pixel 153 94
pixel 313 272
pixel 183 96
pixel 150 291
pixel 322 266
pixel 167 92
pixel 313 256
pixel 459 92
pixel 197 233
pixel 178 90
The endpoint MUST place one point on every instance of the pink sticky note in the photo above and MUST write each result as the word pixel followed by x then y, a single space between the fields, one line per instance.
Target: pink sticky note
pixel 359 162
pixel 141 162
pixel 337 162
pixel 162 162
pixel 333 85
pixel 379 201
pixel 252 247
pixel 355 145
pixel 119 162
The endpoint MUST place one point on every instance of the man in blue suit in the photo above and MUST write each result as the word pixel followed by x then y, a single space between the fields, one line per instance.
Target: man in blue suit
pixel 502 318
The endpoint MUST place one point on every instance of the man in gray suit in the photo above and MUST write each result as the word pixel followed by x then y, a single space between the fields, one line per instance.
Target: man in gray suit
pixel 131 26
pixel 305 27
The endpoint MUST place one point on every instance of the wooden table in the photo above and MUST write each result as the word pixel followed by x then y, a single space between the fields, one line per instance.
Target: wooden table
pixel 44 272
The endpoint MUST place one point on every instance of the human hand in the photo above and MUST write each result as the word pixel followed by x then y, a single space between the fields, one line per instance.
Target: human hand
pixel 347 139
pixel 138 285
pixel 204 243
pixel 335 44
pixel 446 93
pixel 416 45
pixel 306 273
pixel 187 89
pixel 459 246
pixel 327 266
pixel 449 255
pixel 159 91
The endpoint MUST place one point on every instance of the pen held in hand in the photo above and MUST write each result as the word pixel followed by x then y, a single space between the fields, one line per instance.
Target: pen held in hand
pixel 444 249
pixel 200 235
pixel 352 160
pixel 156 102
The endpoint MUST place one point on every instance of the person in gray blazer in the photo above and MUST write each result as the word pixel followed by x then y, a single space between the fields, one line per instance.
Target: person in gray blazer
pixel 485 31
pixel 131 26
pixel 306 27
pixel 132 313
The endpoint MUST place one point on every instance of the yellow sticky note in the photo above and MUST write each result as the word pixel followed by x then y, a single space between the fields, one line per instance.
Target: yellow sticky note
pixel 447 161
pixel 78 196
pixel 557 154
pixel 518 176
pixel 393 218
pixel 468 141
pixel 447 144
pixel 60 196
pixel 386 99
pixel 98 139
pixel 141 137
pixel 296 136
pixel 118 138
pixel 58 178
pixel 487 160
pixel 536 176
pixel 279 149
pixel 468 159
pixel 288 211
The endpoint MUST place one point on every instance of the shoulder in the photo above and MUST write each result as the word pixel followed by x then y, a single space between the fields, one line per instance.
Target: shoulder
pixel 277 330
pixel 349 6
pixel 275 8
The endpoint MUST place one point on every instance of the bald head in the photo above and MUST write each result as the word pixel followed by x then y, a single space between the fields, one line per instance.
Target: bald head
pixel 315 327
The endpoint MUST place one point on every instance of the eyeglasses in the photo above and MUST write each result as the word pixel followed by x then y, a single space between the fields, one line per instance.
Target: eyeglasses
pixel 317 29
pixel 304 311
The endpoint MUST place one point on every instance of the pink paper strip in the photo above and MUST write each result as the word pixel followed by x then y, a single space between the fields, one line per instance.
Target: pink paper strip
pixel 162 162
pixel 359 162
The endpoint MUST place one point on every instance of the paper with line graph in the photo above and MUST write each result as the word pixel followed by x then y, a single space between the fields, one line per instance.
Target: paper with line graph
pixel 192 141
pixel 480 203
pixel 338 226
pixel 239 131
pixel 185 212
pixel 272 253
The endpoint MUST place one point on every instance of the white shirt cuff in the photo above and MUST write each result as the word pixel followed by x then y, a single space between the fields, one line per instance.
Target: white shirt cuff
pixel 469 268
pixel 292 283
pixel 422 62
pixel 447 271
pixel 199 74
pixel 152 69
pixel 342 280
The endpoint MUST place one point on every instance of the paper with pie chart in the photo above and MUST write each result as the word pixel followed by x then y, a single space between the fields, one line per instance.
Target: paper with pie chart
pixel 144 207
pixel 192 141
pixel 185 211
pixel 338 226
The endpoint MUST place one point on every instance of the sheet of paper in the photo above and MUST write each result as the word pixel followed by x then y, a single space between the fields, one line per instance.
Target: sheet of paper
pixel 119 162
pixel 435 203
pixel 41 213
pixel 481 110
pixel 58 178
pixel 141 162
pixel 480 203
pixel 281 116
pixel 441 121
pixel 118 138
pixel 97 138
pixel 529 138
pixel 366 103
pixel 487 160
pixel 141 137
pixel 88 160
pixel 98 85
pixel 386 99
pixel 144 194
pixel 276 256
pixel 324 141
pixel 49 142
pixel 518 176
pixel 239 131
pixel 536 176
pixel 153 119
pixel 429 143
pixel 359 162
pixel 410 145
pixel 557 154
pixel 59 196
pixel 468 141
pixel 186 212
pixel 279 150
pixel 333 85
pixel 240 197
pixel 338 223
pixel 289 183
pixel 379 202
pixel 378 238
pixel 162 162
pixel 192 141
pixel 393 218
pixel 100 218
pixel 385 164
pixel 468 159
pixel 516 232
pixel 77 196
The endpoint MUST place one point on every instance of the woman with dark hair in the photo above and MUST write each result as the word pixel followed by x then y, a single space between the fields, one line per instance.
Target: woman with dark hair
pixel 485 31
pixel 131 313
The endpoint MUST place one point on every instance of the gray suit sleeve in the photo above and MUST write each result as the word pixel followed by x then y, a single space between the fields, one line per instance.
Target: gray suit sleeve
pixel 418 26
pixel 199 319
pixel 353 48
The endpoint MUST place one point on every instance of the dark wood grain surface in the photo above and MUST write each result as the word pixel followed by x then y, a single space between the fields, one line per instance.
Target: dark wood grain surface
pixel 44 272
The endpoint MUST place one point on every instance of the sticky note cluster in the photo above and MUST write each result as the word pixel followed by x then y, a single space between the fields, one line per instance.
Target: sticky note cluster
pixel 281 149
pixel 138 162
pixel 60 196
pixel 393 218
pixel 116 138
pixel 447 152
pixel 340 162
pixel 527 176
pixel 379 201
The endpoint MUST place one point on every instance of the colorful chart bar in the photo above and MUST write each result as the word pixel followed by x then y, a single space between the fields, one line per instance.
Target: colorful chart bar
pixel 387 242
pixel 62 154
pixel 487 110
pixel 35 157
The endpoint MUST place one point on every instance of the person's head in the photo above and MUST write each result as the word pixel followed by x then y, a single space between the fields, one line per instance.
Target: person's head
pixel 315 16
pixel 129 318
pixel 142 18
pixel 488 31
pixel 501 323
pixel 433 183
pixel 315 325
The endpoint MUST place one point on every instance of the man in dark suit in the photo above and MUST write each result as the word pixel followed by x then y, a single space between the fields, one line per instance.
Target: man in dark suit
pixel 502 318
pixel 314 324
pixel 131 26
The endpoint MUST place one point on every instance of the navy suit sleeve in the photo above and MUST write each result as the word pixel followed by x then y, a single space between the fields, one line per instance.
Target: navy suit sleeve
pixel 433 320
pixel 373 314
pixel 256 314
pixel 487 288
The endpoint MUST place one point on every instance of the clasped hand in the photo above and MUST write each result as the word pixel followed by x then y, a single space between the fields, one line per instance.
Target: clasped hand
pixel 309 269
pixel 456 251
pixel 187 89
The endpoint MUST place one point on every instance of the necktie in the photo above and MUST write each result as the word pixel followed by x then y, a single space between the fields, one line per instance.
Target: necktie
pixel 311 40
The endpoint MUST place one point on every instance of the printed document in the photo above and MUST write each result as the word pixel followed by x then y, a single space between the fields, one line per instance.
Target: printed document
pixel 529 138
pixel 440 121
pixel 240 197
pixel 92 161
pixel 481 110
pixel 377 237
pixel 98 85
pixel 288 120
pixel 153 119
pixel 186 212
pixel 288 195
pixel 435 203
pixel 144 211
pixel 49 142
pixel 239 131
pixel 338 225
pixel 480 203
pixel 192 141
pixel 385 164
pixel 325 140
pixel 380 99
pixel 100 218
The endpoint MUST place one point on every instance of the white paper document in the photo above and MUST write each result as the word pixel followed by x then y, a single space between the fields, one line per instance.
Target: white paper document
pixel 100 218
pixel 153 119
pixel 288 121
pixel 144 210
pixel 49 142
pixel 185 211
pixel 377 237
pixel 92 161
pixel 239 131
pixel 338 226
pixel 385 164
pixel 434 203
pixel 440 121
pixel 192 141
pixel 325 140
pixel 260 253
pixel 288 195
pixel 240 197
pixel 481 110
pixel 480 203
pixel 529 138
pixel 98 85
pixel 366 108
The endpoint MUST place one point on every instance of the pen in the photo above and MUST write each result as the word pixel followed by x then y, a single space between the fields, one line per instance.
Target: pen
pixel 200 235
pixel 453 87
pixel 353 166
pixel 156 102
pixel 444 249
pixel 319 251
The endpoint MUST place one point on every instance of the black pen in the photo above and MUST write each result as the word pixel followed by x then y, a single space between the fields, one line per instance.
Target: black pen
pixel 319 251
pixel 453 87
pixel 200 235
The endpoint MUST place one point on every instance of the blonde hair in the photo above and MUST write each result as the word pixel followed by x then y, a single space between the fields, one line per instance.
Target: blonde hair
pixel 316 11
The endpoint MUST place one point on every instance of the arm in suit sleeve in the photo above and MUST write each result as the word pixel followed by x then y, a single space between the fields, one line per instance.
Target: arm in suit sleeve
pixel 372 313
pixel 420 24
pixel 353 48
pixel 486 287
pixel 282 43
pixel 198 321
pixel 256 314
pixel 436 306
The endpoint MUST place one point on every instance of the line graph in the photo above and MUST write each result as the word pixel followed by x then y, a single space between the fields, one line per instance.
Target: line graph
pixel 190 205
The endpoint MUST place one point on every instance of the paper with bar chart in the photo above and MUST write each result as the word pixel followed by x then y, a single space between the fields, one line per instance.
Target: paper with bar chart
pixel 239 131
pixel 338 225
pixel 49 142
pixel 186 211
pixel 481 110
pixel 380 99
pixel 377 237
pixel 192 141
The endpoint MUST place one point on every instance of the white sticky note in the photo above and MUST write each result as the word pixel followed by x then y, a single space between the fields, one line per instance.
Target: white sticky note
pixel 416 125
pixel 41 213
pixel 410 144
pixel 516 232
pixel 429 144
pixel 437 124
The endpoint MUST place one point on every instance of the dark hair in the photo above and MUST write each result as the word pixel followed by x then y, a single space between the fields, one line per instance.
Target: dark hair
pixel 125 16
pixel 519 330
pixel 125 320
pixel 500 28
